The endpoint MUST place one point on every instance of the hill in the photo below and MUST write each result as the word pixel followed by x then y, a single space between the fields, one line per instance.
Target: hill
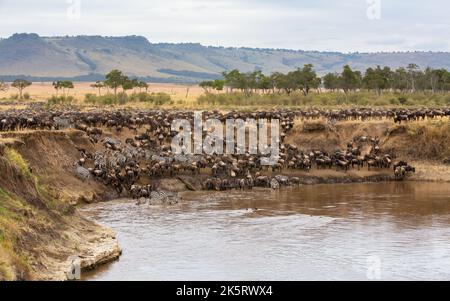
pixel 87 58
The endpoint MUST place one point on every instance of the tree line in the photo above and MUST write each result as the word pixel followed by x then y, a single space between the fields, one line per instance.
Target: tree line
pixel 378 79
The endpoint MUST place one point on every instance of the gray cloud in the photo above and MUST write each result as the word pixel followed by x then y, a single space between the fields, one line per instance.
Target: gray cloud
pixel 319 25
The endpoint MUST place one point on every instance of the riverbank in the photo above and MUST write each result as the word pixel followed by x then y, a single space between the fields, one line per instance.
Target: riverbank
pixel 40 227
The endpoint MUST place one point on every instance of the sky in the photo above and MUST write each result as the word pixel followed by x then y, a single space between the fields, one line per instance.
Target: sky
pixel 324 25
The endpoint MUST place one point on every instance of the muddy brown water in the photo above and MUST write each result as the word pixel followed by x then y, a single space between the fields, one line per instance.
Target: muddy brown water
pixel 381 231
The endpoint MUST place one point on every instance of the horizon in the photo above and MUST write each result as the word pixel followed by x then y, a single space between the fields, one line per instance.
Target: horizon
pixel 363 26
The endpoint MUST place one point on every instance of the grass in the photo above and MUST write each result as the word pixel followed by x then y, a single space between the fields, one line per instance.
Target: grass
pixel 177 96
pixel 157 99
pixel 16 159
pixel 9 229
pixel 431 139
pixel 328 99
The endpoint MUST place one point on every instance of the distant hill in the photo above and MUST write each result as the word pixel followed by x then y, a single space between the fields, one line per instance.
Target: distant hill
pixel 90 57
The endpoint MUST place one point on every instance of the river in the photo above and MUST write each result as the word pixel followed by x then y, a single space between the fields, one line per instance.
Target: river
pixel 387 231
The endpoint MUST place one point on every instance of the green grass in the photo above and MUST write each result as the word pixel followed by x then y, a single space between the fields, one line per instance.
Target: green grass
pixel 328 99
pixel 16 159
pixel 157 99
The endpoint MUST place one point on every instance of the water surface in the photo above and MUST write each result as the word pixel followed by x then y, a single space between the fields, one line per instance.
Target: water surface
pixel 323 232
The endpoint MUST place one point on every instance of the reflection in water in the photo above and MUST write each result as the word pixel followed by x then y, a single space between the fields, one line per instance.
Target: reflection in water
pixel 322 232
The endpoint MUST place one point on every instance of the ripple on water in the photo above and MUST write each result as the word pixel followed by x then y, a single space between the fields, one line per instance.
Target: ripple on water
pixel 307 233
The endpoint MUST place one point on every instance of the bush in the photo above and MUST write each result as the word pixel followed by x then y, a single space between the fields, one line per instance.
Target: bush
pixel 122 98
pixel 26 96
pixel 60 100
pixel 402 100
pixel 360 98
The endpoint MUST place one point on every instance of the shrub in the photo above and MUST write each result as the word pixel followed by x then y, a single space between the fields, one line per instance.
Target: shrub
pixel 123 98
pixel 57 100
pixel 90 98
pixel 360 98
pixel 402 100
pixel 26 95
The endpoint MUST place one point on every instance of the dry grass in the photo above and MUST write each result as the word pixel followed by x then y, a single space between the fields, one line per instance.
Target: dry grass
pixel 42 91
pixel 194 97
pixel 431 139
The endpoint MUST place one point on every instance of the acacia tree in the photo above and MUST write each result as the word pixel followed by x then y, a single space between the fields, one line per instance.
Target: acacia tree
pixel 217 85
pixel 377 79
pixel 3 86
pixel 56 85
pixel 21 84
pixel 128 84
pixel 349 80
pixel 306 79
pixel 98 85
pixel 64 85
pixel 143 85
pixel 114 80
pixel 233 79
pixel 331 81
pixel 67 85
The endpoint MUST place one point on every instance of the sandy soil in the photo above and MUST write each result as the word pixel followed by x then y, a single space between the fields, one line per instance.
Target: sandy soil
pixel 430 171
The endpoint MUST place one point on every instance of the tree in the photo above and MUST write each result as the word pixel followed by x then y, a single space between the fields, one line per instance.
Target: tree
pixel 331 81
pixel 142 85
pixel 56 86
pixel 63 85
pixel 265 83
pixel 114 80
pixel 233 79
pixel 217 84
pixel 412 76
pixel 98 85
pixel 3 86
pixel 206 85
pixel 21 84
pixel 400 79
pixel 128 84
pixel 377 79
pixel 349 79
pixel 67 85
pixel 306 79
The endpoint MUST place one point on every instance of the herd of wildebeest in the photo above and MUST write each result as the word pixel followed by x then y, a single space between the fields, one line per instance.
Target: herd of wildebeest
pixel 145 155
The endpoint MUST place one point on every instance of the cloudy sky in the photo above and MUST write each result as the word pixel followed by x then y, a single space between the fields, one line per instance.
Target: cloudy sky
pixel 339 25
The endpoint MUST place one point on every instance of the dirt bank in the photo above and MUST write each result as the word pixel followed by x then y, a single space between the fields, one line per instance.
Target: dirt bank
pixel 39 190
pixel 39 225
pixel 424 144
